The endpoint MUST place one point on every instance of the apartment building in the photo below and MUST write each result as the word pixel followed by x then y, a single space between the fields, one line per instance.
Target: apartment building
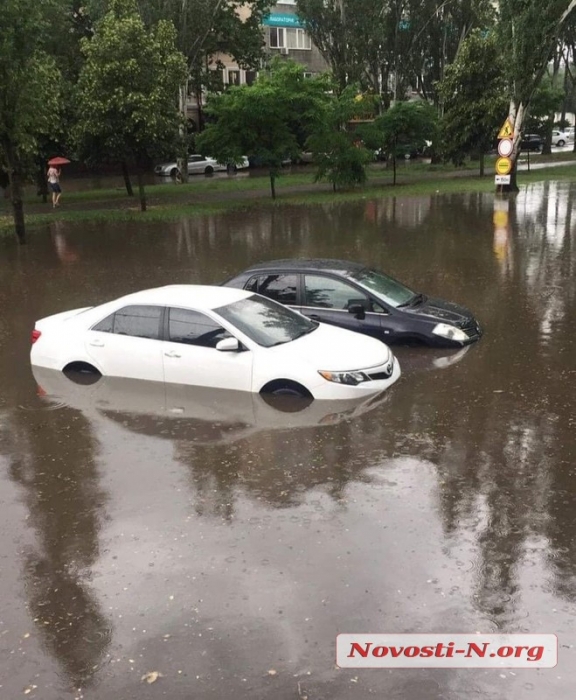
pixel 285 36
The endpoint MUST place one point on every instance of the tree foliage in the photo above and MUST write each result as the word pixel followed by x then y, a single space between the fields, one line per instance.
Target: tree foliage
pixel 474 97
pixel 339 152
pixel 127 88
pixel 405 124
pixel 389 46
pixel 207 29
pixel 528 31
pixel 29 92
pixel 267 120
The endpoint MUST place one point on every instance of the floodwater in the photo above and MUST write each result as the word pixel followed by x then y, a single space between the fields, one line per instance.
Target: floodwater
pixel 224 544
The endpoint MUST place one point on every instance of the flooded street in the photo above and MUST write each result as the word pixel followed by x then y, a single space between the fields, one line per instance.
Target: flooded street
pixel 223 542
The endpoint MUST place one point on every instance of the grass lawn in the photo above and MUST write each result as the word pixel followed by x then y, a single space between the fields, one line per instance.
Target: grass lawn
pixel 209 196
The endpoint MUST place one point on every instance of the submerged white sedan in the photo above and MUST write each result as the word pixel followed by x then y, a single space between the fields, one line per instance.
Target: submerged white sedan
pixel 214 337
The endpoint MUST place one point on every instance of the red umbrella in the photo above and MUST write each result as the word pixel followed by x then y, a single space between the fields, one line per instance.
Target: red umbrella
pixel 58 161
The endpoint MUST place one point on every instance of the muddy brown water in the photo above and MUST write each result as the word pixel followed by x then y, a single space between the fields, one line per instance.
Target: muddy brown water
pixel 225 546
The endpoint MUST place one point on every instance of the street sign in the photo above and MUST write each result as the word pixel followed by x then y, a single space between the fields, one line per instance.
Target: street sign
pixel 503 166
pixel 502 179
pixel 507 131
pixel 505 147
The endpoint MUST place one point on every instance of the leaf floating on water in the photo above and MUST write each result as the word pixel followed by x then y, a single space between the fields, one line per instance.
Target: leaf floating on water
pixel 151 676
pixel 272 672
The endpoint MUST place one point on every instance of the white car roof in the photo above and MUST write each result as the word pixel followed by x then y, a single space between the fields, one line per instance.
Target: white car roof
pixel 196 296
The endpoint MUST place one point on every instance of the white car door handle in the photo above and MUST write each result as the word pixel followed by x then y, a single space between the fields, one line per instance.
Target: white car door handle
pixel 172 354
pixel 97 344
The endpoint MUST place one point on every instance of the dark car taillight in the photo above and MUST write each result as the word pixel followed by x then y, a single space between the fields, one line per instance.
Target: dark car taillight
pixel 35 335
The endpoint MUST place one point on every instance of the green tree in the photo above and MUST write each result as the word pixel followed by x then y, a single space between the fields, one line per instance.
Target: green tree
pixel 405 125
pixel 389 46
pixel 29 93
pixel 546 101
pixel 126 90
pixel 267 120
pixel 338 149
pixel 528 31
pixel 474 98
pixel 207 30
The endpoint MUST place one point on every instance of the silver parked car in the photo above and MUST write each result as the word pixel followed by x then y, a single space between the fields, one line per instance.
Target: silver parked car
pixel 561 138
pixel 198 165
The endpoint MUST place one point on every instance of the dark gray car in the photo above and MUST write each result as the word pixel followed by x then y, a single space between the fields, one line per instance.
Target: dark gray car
pixel 351 295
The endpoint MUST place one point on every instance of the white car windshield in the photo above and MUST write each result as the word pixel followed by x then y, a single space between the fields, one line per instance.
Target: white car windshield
pixel 387 288
pixel 266 322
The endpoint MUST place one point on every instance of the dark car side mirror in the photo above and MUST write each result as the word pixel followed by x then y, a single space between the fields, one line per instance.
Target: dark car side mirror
pixel 358 310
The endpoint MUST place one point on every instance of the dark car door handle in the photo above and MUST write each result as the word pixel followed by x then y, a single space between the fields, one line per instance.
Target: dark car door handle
pixel 314 317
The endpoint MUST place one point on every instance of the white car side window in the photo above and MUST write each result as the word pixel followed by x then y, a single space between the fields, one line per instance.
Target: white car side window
pixel 135 321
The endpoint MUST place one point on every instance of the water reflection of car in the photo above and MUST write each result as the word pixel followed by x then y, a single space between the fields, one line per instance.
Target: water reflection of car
pixel 353 296
pixel 214 337
pixel 414 359
pixel 192 413
pixel 198 165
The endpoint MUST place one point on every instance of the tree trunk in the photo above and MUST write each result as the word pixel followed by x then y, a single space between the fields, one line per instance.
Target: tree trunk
pixel 127 182
pixel 394 169
pixel 182 160
pixel 141 190
pixel 17 204
pixel 42 183
pixel 517 114
pixel 482 163
pixel 273 184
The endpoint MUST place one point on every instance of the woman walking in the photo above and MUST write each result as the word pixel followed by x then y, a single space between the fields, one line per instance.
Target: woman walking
pixel 54 185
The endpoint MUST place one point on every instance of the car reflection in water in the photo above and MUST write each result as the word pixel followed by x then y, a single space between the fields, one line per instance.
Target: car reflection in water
pixel 203 415
pixel 418 359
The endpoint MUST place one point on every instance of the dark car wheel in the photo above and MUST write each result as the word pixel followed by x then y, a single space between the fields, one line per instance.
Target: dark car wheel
pixel 81 373
pixel 174 172
pixel 561 143
pixel 287 391
pixel 209 170
pixel 285 387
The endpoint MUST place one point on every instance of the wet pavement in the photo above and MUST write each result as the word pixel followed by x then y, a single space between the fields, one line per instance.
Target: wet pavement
pixel 225 544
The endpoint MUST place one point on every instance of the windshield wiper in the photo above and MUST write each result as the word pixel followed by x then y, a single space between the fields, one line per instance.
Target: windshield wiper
pixel 418 298
pixel 306 331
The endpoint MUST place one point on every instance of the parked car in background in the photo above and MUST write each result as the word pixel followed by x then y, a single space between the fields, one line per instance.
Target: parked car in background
pixel 531 142
pixel 353 296
pixel 214 337
pixel 561 138
pixel 198 165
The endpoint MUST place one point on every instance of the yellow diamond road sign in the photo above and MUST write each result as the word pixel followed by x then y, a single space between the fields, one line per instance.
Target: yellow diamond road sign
pixel 507 131
pixel 503 166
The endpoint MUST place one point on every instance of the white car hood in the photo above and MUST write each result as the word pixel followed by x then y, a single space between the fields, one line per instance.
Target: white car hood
pixel 335 349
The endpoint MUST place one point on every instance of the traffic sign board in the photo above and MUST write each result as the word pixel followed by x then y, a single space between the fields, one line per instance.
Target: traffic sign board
pixel 503 166
pixel 502 179
pixel 505 147
pixel 507 130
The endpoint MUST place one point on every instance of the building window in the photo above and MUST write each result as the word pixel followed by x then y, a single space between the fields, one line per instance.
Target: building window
pixel 298 39
pixel 289 38
pixel 251 76
pixel 277 37
pixel 233 77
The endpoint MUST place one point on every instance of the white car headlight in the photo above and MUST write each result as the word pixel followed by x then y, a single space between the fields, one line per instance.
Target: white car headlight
pixel 445 330
pixel 350 378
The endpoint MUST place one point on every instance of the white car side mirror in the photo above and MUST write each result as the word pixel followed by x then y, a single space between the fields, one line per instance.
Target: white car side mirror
pixel 228 345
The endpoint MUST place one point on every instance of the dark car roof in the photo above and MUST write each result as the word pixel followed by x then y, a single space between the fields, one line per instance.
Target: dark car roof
pixel 343 267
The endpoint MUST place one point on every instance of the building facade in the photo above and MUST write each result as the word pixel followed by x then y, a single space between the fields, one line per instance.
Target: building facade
pixel 284 36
